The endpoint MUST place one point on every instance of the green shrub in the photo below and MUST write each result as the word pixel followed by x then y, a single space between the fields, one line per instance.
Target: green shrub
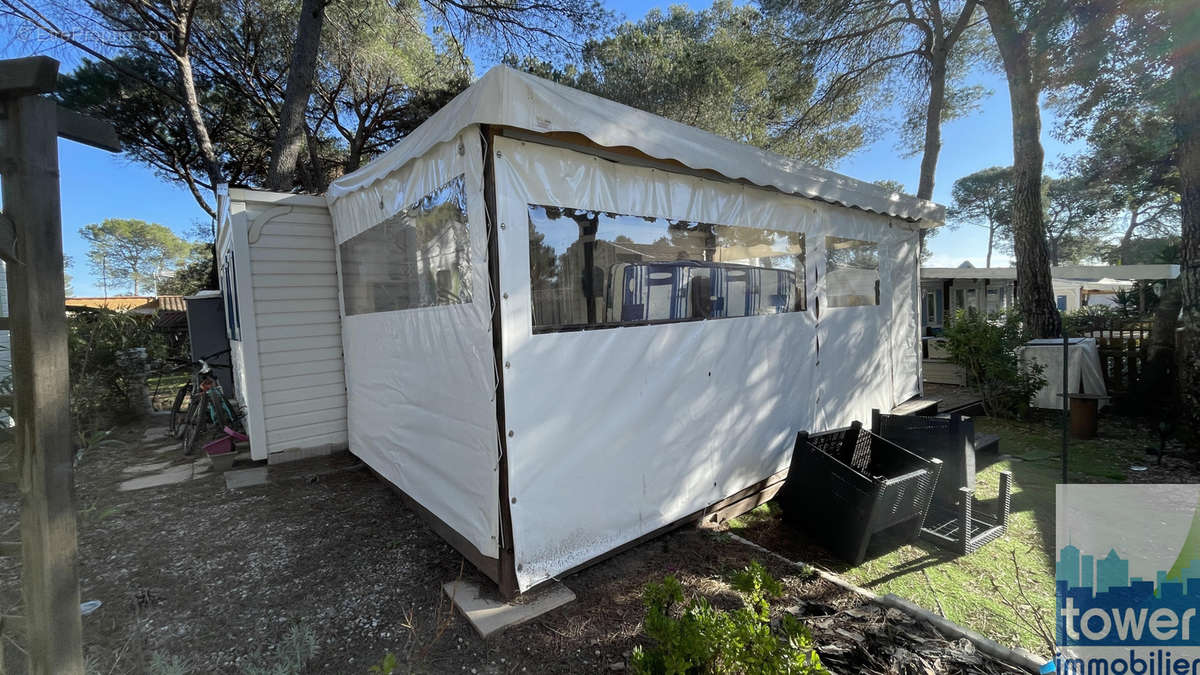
pixel 100 384
pixel 986 348
pixel 389 665
pixel 696 638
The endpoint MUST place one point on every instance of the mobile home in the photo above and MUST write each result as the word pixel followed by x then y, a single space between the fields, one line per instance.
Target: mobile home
pixel 558 325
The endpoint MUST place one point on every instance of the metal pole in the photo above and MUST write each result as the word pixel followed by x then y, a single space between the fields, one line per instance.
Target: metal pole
pixel 1066 411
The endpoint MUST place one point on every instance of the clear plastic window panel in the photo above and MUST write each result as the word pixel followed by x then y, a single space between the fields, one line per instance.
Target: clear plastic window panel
pixel 851 272
pixel 420 257
pixel 592 269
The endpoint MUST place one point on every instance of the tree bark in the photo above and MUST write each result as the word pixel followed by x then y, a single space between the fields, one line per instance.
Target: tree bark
pixel 187 88
pixel 289 137
pixel 938 57
pixel 1158 391
pixel 933 122
pixel 1128 238
pixel 1034 290
pixel 1185 81
pixel 1166 318
pixel 991 239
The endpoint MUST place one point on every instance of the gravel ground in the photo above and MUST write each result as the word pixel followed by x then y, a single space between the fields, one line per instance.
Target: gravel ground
pixel 217 577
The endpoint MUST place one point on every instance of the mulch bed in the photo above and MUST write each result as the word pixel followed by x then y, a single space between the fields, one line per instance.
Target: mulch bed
pixel 869 638
pixel 218 576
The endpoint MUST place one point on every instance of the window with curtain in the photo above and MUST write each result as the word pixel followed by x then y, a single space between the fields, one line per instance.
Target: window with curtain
pixel 594 269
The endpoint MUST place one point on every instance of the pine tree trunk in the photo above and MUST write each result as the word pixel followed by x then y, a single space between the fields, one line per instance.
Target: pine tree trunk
pixel 289 137
pixel 933 123
pixel 187 87
pixel 1035 294
pixel 1166 318
pixel 991 239
pixel 937 105
pixel 1185 80
pixel 933 133
pixel 1127 240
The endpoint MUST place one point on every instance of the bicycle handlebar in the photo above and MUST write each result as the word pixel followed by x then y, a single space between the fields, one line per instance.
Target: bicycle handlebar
pixel 216 354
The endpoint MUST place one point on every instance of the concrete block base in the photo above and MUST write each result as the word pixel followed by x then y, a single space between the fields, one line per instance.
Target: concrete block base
pixel 490 616
pixel 244 478
pixel 297 454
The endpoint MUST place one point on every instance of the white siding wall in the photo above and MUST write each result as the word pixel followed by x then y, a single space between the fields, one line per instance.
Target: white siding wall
pixel 296 323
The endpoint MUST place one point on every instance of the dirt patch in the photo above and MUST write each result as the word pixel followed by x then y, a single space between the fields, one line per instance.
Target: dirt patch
pixel 218 577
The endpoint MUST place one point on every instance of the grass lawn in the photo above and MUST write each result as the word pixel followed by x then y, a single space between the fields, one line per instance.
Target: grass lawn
pixel 163 388
pixel 168 382
pixel 986 591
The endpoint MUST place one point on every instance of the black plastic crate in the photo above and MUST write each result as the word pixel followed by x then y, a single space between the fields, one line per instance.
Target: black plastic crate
pixel 846 485
pixel 955 520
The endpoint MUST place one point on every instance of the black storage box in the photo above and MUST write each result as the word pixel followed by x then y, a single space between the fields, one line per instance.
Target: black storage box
pixel 955 521
pixel 846 485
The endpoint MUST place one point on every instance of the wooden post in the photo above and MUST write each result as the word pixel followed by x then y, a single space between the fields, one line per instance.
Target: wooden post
pixel 41 386
pixel 1066 405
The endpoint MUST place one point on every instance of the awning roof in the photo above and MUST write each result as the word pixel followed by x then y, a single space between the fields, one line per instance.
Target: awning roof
pixel 118 303
pixel 511 98
pixel 1078 272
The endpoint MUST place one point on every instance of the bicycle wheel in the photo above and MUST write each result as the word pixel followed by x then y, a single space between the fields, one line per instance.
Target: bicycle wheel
pixel 196 425
pixel 187 419
pixel 219 410
pixel 178 412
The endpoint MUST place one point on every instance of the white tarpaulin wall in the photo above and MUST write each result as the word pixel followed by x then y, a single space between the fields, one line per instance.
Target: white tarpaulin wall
pixel 617 432
pixel 420 372
pixel 868 354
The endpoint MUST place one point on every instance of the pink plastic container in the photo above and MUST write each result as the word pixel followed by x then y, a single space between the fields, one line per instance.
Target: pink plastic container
pixel 220 446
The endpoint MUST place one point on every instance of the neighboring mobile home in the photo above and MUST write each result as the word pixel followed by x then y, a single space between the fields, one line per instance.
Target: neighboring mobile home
pixel 558 324
pixel 945 290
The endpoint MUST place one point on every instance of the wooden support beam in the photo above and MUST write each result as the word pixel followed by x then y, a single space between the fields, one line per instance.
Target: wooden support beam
pixel 12 623
pixel 38 333
pixel 8 243
pixel 87 130
pixel 28 75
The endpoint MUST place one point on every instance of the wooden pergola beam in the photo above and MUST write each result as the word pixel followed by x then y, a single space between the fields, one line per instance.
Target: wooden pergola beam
pixel 87 130
pixel 27 75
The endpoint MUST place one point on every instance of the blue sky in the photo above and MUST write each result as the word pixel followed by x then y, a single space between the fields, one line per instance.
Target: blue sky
pixel 98 185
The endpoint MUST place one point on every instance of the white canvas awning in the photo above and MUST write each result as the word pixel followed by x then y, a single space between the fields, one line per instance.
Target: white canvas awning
pixel 510 98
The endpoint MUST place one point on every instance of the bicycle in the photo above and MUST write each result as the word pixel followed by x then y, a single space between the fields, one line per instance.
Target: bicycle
pixel 208 407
